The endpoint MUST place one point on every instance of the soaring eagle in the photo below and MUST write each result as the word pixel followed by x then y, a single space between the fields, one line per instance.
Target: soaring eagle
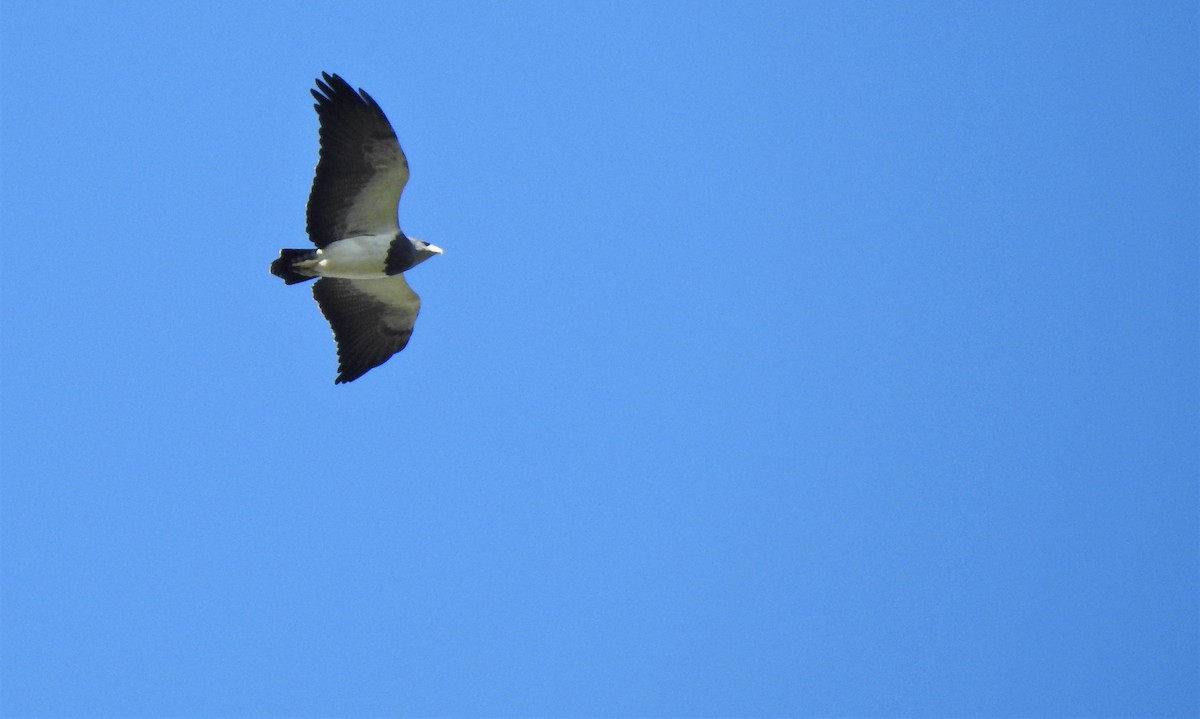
pixel 361 252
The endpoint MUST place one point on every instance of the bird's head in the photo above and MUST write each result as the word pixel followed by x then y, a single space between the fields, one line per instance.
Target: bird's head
pixel 424 250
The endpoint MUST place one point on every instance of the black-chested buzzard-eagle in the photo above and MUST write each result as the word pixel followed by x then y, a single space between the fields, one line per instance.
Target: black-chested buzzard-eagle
pixel 361 252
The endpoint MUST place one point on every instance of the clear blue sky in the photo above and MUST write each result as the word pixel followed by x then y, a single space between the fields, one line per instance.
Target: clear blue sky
pixel 785 359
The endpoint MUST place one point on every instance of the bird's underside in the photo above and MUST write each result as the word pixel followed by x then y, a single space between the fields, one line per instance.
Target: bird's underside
pixel 360 251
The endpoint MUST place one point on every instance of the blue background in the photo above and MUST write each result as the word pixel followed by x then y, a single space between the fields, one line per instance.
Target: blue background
pixel 786 359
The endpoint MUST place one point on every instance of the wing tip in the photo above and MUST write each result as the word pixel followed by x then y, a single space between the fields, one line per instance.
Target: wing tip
pixel 332 87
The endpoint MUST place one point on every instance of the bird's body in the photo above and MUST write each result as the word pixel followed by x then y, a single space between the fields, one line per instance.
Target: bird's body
pixel 361 251
pixel 354 258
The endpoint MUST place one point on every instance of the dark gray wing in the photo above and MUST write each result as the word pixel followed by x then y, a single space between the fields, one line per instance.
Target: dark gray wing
pixel 371 320
pixel 361 171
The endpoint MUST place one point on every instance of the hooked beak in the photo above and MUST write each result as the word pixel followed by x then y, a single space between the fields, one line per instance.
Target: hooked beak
pixel 434 249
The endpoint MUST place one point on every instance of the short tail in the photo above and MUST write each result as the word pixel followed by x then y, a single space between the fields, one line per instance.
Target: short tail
pixel 282 267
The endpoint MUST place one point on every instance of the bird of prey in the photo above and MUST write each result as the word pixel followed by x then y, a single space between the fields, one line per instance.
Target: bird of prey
pixel 361 252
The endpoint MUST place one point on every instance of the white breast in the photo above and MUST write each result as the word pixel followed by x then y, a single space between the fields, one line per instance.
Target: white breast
pixel 354 258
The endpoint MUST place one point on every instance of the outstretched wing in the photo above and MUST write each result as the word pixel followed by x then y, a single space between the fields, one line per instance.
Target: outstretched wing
pixel 371 320
pixel 361 171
